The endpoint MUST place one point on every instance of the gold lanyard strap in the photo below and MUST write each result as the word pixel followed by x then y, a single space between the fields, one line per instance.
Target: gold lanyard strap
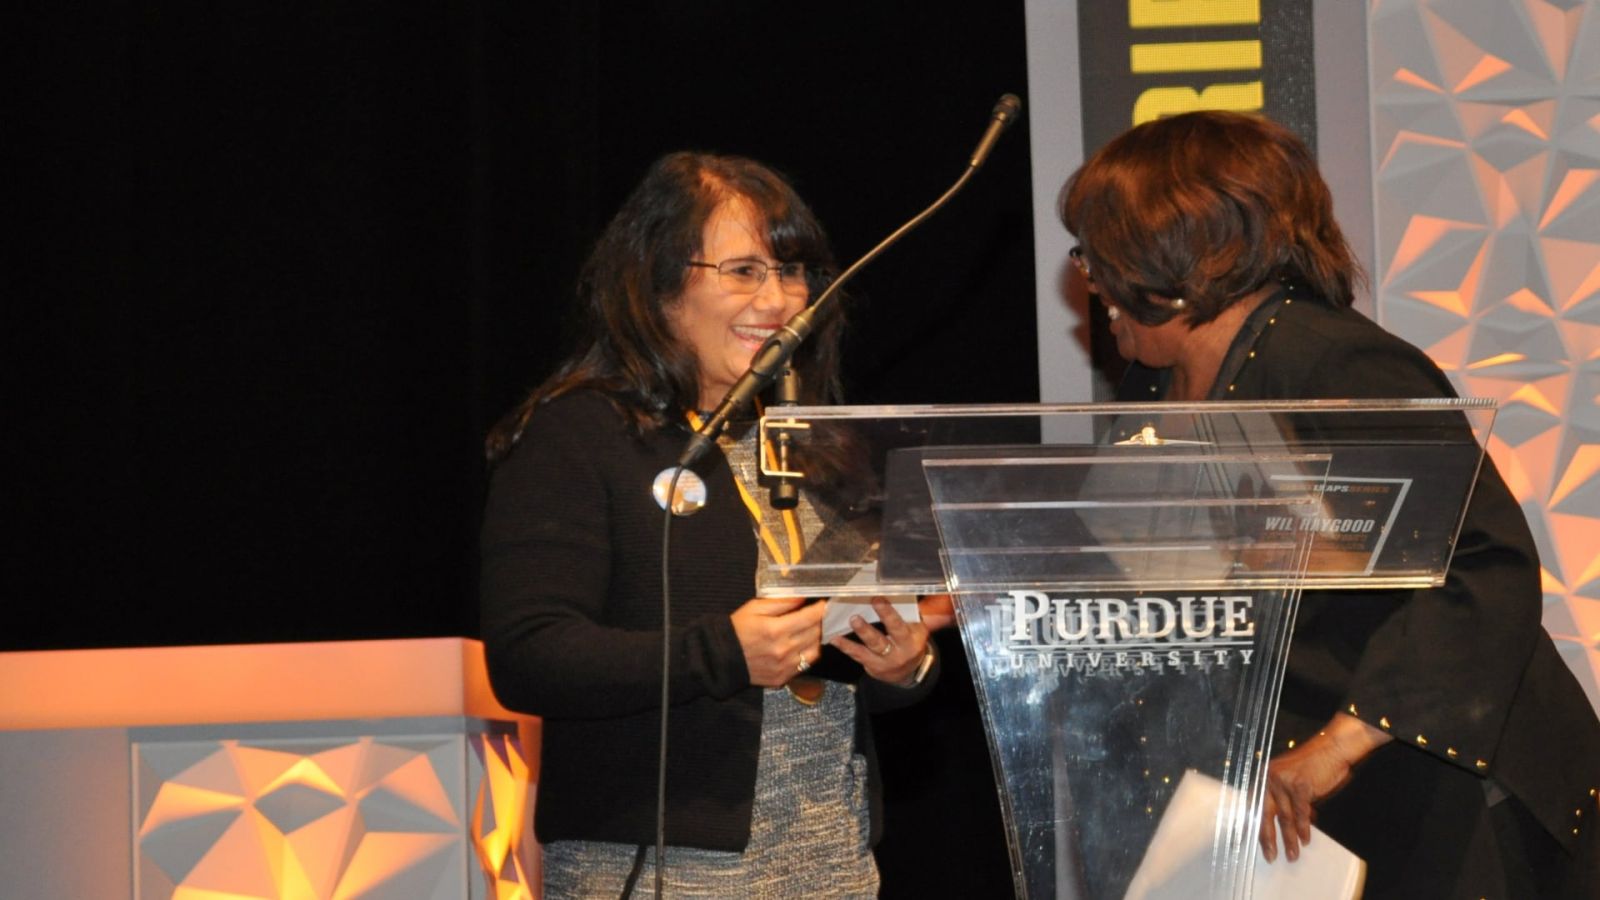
pixel 790 524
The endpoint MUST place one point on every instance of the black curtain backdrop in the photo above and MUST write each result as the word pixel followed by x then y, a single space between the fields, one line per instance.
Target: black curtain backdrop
pixel 280 265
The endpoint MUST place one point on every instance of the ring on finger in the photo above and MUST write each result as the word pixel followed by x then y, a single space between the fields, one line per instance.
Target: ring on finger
pixel 888 647
pixel 804 664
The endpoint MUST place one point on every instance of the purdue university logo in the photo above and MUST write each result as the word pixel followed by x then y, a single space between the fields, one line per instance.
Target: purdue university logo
pixel 1033 631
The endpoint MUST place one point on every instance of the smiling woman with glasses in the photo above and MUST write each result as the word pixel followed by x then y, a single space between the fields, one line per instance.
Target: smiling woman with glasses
pixel 772 783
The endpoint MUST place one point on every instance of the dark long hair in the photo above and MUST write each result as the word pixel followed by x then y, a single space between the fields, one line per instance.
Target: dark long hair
pixel 1208 206
pixel 638 267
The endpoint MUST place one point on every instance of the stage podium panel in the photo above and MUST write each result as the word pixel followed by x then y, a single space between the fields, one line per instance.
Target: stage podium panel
pixel 1125 580
pixel 364 768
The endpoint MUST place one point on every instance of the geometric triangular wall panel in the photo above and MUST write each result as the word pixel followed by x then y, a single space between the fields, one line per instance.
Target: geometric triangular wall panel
pixel 429 817
pixel 1486 144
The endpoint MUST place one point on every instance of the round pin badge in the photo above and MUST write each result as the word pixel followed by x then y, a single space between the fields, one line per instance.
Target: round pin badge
pixel 691 494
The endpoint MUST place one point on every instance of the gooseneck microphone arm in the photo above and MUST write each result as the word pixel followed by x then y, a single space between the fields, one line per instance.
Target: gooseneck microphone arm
pixel 773 355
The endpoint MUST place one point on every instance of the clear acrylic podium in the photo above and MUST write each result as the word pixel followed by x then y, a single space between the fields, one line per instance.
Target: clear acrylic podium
pixel 1125 580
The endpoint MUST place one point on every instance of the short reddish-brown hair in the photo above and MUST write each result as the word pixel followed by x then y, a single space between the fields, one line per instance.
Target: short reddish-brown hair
pixel 1208 206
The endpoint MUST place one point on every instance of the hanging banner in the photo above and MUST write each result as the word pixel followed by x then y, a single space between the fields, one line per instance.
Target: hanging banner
pixel 1145 59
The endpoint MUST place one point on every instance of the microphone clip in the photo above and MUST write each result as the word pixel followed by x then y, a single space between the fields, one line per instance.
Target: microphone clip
pixel 785 490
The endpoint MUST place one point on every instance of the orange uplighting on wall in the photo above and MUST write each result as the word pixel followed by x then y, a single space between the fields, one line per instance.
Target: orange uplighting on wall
pixel 1487 197
pixel 499 816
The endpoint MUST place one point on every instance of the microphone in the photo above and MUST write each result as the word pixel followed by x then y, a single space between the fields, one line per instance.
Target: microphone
pixel 775 354
pixel 1005 112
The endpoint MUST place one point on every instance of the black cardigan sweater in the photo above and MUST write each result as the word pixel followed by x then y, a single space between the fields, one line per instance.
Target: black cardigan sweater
pixel 571 622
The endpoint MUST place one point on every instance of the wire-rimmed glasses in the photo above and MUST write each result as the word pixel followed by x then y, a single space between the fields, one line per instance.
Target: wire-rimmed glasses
pixel 746 276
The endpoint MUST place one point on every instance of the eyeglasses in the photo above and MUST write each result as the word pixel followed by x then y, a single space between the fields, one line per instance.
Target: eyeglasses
pixel 1079 260
pixel 746 276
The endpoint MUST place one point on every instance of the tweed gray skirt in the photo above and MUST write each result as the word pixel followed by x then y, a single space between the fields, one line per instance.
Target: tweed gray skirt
pixel 809 828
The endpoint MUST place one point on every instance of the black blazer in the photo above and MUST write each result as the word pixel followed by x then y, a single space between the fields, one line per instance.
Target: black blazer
pixel 1464 676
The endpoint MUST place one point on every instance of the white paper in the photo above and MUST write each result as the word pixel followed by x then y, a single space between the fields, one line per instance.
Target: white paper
pixel 1176 865
pixel 836 620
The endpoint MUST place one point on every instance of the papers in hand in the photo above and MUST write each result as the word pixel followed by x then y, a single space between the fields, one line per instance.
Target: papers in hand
pixel 836 620
pixel 1177 864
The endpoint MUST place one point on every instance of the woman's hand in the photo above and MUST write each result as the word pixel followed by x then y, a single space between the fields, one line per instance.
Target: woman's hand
pixel 781 638
pixel 891 655
pixel 1301 777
